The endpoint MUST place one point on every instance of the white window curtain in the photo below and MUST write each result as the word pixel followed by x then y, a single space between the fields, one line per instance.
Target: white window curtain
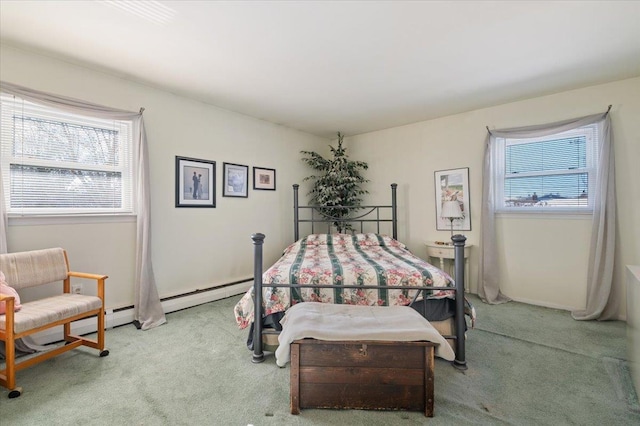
pixel 601 303
pixel 148 312
pixel 4 221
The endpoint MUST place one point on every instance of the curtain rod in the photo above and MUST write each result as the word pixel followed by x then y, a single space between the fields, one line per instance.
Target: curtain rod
pixel 141 110
pixel 608 109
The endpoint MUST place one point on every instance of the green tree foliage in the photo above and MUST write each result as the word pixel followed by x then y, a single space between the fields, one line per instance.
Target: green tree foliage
pixel 337 183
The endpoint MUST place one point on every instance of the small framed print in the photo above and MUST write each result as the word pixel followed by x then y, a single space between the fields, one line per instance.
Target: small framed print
pixel 235 180
pixel 264 179
pixel 452 185
pixel 195 182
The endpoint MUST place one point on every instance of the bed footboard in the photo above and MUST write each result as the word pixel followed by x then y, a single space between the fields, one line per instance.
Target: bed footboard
pixel 460 324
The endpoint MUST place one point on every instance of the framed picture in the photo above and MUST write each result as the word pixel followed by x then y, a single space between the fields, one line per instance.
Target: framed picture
pixel 453 185
pixel 195 182
pixel 264 179
pixel 235 180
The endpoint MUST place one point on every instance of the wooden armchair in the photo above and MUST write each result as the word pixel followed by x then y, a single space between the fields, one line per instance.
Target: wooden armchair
pixel 44 267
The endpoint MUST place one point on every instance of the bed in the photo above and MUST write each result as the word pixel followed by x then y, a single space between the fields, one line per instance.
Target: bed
pixel 361 267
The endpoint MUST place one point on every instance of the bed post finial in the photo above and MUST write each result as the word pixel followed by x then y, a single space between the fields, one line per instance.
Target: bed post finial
pixel 394 211
pixel 258 241
pixel 460 361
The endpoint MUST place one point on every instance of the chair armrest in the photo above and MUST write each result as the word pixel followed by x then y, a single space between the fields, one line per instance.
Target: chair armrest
pixel 99 281
pixel 8 316
pixel 88 276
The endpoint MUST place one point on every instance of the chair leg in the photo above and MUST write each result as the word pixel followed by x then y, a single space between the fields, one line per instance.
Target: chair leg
pixel 16 392
pixel 10 367
pixel 10 362
pixel 100 333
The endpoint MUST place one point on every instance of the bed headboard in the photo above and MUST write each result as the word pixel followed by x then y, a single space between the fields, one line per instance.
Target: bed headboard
pixel 362 217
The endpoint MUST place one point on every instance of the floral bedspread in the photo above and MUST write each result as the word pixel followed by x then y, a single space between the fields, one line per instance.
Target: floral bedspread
pixel 344 259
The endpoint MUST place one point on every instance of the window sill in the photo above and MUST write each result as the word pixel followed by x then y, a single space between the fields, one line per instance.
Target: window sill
pixel 69 219
pixel 548 214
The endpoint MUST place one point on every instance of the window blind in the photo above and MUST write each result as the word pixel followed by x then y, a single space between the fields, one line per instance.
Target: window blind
pixel 54 162
pixel 557 171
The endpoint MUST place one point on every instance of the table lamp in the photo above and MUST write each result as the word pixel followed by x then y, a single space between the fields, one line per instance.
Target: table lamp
pixel 451 210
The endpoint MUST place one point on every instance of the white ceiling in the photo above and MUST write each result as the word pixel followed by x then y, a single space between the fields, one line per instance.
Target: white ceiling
pixel 328 66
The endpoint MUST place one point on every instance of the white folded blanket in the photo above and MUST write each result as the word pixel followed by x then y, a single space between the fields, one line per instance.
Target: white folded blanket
pixel 325 321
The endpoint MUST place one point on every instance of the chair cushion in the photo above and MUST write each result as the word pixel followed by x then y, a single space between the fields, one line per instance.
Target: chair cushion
pixel 51 309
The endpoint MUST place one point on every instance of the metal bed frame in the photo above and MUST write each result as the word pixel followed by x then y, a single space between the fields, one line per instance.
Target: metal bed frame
pixel 361 219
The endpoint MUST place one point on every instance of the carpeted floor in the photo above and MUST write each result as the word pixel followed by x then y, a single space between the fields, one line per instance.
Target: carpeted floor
pixel 527 366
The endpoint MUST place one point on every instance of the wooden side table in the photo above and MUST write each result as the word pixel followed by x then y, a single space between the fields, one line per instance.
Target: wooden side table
pixel 445 252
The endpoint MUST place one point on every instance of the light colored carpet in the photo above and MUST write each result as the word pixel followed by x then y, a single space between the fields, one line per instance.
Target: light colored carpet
pixel 527 366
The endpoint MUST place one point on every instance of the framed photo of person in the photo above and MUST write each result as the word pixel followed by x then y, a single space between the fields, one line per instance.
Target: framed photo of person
pixel 195 182
pixel 236 180
pixel 264 179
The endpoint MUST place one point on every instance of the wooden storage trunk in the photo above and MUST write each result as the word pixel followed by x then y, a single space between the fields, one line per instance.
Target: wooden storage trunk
pixel 373 375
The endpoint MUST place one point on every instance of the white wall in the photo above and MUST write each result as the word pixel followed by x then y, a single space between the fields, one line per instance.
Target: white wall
pixel 542 260
pixel 192 248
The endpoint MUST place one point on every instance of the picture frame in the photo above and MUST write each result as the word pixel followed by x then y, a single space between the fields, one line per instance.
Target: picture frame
pixel 195 182
pixel 264 179
pixel 235 180
pixel 453 185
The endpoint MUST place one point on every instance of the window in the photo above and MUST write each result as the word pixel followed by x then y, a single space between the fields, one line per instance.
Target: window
pixel 54 162
pixel 551 173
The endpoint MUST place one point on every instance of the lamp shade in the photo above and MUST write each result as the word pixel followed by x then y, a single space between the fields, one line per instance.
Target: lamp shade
pixel 451 210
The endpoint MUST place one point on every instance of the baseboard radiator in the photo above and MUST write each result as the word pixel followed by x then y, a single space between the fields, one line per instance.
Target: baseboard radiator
pixel 123 316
